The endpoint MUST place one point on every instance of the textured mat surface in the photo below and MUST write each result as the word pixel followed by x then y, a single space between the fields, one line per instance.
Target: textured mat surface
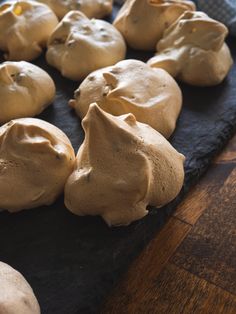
pixel 72 262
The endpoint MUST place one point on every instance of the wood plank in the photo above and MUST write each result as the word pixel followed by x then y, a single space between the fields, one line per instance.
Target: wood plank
pixel 175 291
pixel 229 153
pixel 209 250
pixel 203 194
pixel 147 267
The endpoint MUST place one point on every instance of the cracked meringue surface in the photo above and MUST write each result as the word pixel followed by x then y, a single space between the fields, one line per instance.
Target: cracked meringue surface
pixel 16 295
pixel 79 46
pixel 132 86
pixel 25 90
pixel 25 28
pixel 36 159
pixel 91 8
pixel 121 167
pixel 193 49
pixel 143 22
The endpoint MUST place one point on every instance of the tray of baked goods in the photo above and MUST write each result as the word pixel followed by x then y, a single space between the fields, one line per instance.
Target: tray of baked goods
pixel 108 116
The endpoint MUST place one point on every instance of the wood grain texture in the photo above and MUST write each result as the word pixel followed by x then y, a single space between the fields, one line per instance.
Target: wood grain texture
pixel 209 251
pixel 190 266
pixel 145 270
pixel 203 194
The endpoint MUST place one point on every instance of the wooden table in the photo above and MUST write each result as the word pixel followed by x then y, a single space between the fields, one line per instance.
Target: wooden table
pixel 190 266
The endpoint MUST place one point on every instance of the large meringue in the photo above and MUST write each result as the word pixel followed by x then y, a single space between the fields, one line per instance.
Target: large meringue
pixel 193 50
pixel 25 90
pixel 25 28
pixel 121 167
pixel 36 159
pixel 132 86
pixel 143 22
pixel 16 295
pixel 91 8
pixel 79 46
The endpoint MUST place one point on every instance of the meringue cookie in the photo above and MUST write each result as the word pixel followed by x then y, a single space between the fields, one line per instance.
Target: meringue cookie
pixel 25 28
pixel 79 46
pixel 36 159
pixel 25 90
pixel 143 22
pixel 91 8
pixel 132 86
pixel 16 295
pixel 193 50
pixel 121 167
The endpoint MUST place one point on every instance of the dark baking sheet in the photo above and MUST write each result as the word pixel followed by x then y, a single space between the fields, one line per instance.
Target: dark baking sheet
pixel 73 262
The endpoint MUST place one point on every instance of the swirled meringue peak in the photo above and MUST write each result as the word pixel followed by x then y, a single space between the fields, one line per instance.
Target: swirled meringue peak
pixel 121 167
pixel 36 159
pixel 25 90
pixel 143 22
pixel 193 49
pixel 16 295
pixel 25 28
pixel 131 86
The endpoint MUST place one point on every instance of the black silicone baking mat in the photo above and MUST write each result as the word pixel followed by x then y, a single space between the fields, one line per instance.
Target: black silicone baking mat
pixel 72 262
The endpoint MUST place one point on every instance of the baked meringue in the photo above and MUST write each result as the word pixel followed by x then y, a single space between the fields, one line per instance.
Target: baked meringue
pixel 36 159
pixel 121 167
pixel 132 86
pixel 91 8
pixel 25 90
pixel 16 295
pixel 193 50
pixel 79 46
pixel 25 28
pixel 143 22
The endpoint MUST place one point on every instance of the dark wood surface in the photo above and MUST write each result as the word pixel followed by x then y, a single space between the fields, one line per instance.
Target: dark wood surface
pixel 190 265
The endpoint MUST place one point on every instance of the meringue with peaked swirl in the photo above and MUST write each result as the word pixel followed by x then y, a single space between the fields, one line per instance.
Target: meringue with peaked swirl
pixel 25 90
pixel 91 8
pixel 16 295
pixel 193 49
pixel 36 159
pixel 143 22
pixel 121 167
pixel 25 28
pixel 79 46
pixel 131 86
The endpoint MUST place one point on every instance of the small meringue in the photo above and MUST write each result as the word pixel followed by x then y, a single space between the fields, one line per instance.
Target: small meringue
pixel 79 46
pixel 132 86
pixel 25 90
pixel 121 167
pixel 25 28
pixel 36 159
pixel 193 50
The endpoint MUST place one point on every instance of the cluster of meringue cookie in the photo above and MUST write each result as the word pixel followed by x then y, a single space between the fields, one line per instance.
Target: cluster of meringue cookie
pixel 129 109
pixel 190 45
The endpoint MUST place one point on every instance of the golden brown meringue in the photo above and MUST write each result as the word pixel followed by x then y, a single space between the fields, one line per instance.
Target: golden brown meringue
pixel 193 50
pixel 25 90
pixel 25 28
pixel 16 295
pixel 143 22
pixel 91 8
pixel 121 167
pixel 132 86
pixel 79 46
pixel 36 159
